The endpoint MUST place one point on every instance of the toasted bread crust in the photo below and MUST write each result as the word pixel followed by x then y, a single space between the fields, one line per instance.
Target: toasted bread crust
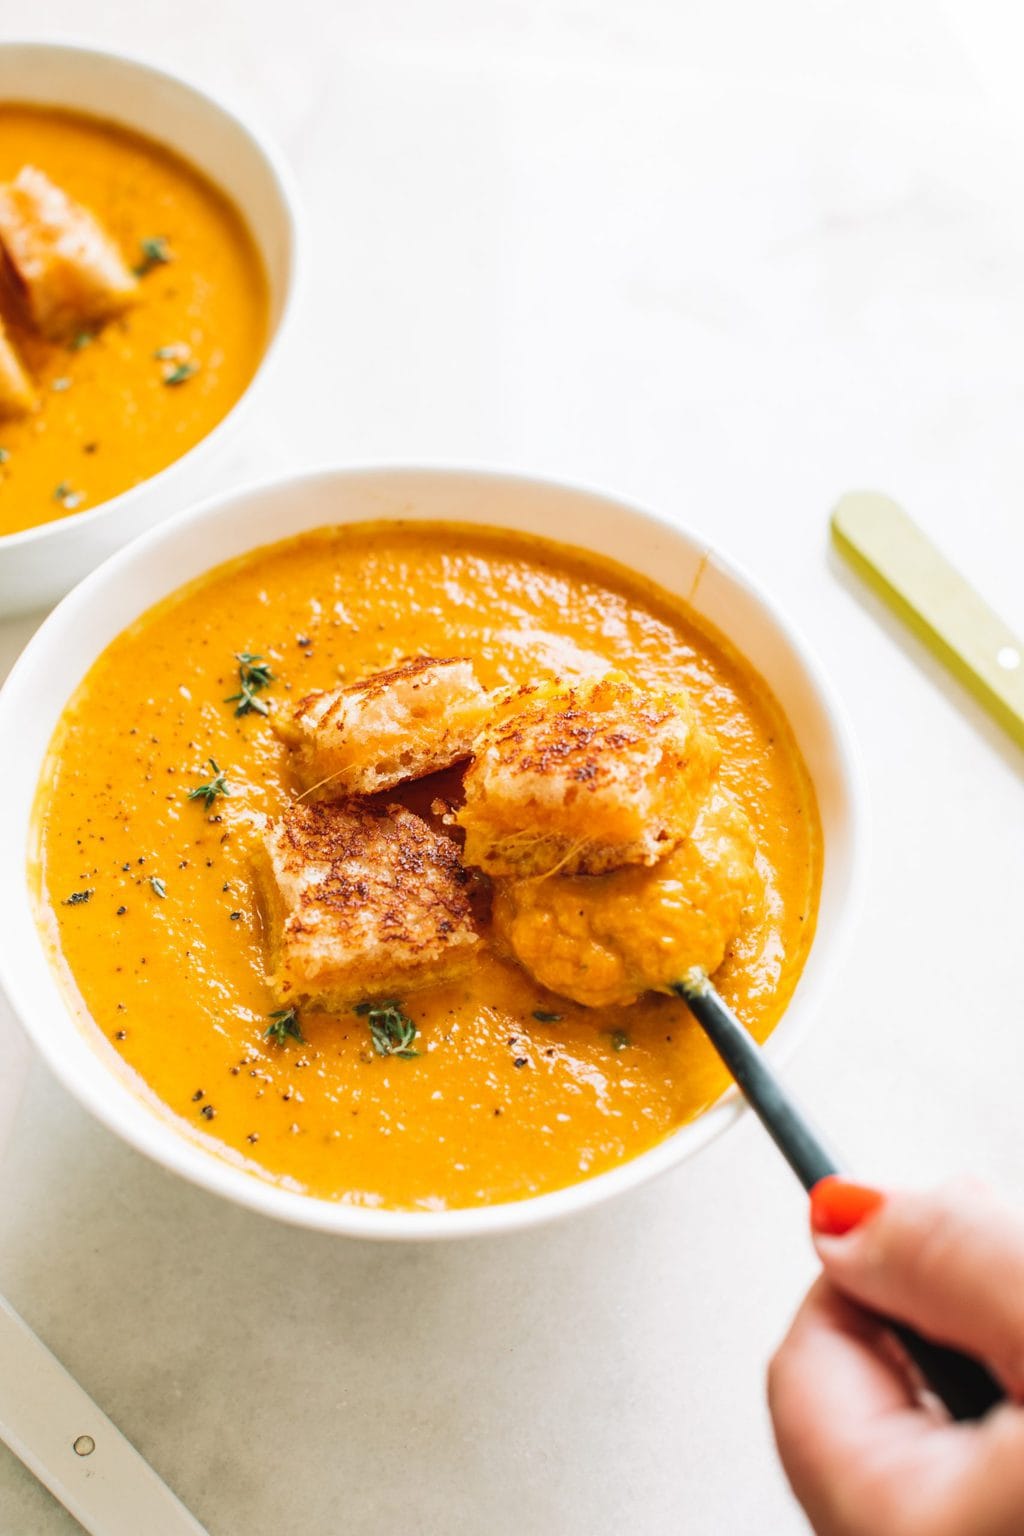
pixel 362 901
pixel 586 778
pixel 17 395
pixel 404 723
pixel 63 265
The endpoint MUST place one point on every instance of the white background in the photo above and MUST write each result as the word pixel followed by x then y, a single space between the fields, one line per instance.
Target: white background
pixel 728 260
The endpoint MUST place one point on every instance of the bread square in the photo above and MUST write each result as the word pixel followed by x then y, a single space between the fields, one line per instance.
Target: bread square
pixel 412 720
pixel 584 778
pixel 362 901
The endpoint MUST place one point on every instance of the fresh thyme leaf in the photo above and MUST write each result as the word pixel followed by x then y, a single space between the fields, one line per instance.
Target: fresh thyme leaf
pixel 283 1026
pixel 76 898
pixel 174 350
pixel 208 792
pixel 247 702
pixel 391 1029
pixel 159 887
pixel 543 1017
pixel 155 253
pixel 620 1040
pixel 258 671
pixel 4 455
pixel 181 373
pixel 253 675
pixel 60 385
pixel 82 340
pixel 67 496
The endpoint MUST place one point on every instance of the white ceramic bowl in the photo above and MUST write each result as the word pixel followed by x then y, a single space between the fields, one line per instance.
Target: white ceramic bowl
pixel 40 564
pixel 155 565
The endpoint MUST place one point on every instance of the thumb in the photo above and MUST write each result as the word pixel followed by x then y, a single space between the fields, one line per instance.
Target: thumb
pixel 949 1262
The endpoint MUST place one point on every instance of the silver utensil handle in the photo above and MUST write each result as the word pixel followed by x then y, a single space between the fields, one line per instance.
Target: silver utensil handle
pixel 72 1447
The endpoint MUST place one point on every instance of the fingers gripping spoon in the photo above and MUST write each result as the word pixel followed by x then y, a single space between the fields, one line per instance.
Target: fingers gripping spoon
pixel 962 1383
pixel 53 1426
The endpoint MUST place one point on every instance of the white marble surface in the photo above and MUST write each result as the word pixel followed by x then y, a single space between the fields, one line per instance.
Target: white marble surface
pixel 729 261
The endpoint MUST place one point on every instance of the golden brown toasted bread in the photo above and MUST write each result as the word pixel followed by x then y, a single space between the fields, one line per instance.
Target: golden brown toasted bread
pixel 605 939
pixel 360 902
pixel 17 395
pixel 401 724
pixel 64 267
pixel 582 779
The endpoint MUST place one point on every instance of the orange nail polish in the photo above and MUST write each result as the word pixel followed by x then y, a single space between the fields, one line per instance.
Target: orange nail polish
pixel 837 1205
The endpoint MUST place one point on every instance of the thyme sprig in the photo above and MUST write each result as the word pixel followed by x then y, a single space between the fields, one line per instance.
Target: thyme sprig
pixel 253 676
pixel 180 373
pixel 391 1029
pixel 208 792
pixel 68 497
pixel 284 1026
pixel 155 253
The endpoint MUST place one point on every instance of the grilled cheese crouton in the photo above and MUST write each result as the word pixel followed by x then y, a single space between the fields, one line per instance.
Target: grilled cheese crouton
pixel 64 267
pixel 401 724
pixel 360 901
pixel 17 396
pixel 584 778
pixel 605 939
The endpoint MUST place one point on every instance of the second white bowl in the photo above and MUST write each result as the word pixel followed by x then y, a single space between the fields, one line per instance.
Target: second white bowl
pixel 40 564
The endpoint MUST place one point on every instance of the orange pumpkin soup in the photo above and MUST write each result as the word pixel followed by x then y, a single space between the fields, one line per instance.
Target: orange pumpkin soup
pixel 146 885
pixel 115 401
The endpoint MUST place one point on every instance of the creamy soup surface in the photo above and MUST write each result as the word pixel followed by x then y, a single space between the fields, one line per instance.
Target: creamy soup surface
pixel 119 400
pixel 150 902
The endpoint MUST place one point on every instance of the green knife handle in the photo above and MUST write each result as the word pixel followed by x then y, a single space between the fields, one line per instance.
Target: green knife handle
pixel 934 600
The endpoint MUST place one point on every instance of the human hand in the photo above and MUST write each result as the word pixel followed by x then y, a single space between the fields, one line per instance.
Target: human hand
pixel 864 1454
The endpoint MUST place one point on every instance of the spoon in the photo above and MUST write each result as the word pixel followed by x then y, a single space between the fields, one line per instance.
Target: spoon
pixel 962 1383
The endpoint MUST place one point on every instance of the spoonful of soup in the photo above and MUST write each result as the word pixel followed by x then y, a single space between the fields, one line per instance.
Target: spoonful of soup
pixel 661 913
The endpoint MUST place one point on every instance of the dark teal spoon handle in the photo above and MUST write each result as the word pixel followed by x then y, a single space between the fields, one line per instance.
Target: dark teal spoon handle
pixel 962 1383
